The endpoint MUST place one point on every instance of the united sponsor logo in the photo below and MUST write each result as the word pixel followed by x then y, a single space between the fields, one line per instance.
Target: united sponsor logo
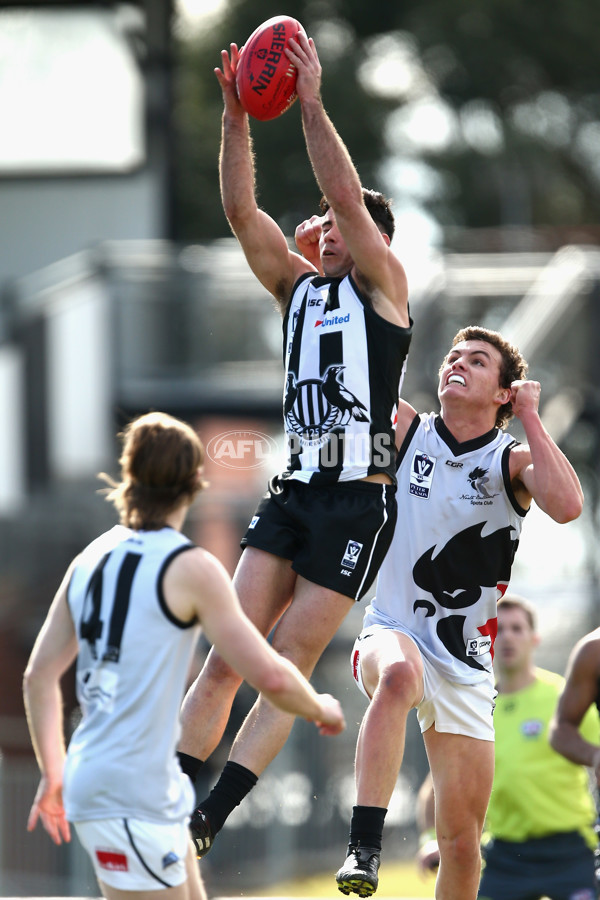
pixel 328 321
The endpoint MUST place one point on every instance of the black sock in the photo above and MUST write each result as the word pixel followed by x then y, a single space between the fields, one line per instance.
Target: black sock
pixel 234 783
pixel 366 826
pixel 190 766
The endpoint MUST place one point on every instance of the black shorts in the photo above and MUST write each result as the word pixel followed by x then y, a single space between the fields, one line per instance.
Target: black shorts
pixel 336 536
pixel 560 866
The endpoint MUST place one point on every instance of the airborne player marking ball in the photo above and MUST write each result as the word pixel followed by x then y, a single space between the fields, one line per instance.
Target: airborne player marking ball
pixel 265 78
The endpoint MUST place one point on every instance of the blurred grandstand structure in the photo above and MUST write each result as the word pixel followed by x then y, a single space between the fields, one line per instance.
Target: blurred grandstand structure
pixel 103 316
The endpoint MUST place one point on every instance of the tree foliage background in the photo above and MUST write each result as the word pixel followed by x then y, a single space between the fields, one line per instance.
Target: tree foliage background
pixel 484 114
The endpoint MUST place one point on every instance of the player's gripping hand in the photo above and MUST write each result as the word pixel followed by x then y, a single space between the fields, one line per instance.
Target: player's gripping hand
pixel 226 78
pixel 307 237
pixel 331 721
pixel 525 397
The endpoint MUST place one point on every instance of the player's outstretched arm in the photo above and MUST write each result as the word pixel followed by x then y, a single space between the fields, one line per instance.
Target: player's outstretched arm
pixel 541 470
pixel 263 242
pixel 377 266
pixel 196 583
pixel 53 653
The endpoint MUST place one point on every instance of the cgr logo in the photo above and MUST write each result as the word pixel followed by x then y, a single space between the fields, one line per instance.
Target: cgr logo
pixel 241 449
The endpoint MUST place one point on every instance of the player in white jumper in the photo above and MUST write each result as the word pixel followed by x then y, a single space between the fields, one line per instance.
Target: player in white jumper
pixel 464 487
pixel 129 609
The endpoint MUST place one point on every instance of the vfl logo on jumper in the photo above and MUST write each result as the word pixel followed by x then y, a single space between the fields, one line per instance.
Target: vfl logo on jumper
pixel 421 474
pixel 479 481
pixel 314 407
pixel 350 557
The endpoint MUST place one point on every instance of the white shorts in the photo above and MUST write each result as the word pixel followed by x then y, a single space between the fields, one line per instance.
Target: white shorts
pixel 453 708
pixel 134 855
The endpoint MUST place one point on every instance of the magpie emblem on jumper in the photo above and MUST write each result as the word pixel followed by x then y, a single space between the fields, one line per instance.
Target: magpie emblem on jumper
pixel 316 406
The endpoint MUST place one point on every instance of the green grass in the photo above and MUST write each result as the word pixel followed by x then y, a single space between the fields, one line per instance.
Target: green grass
pixel 397 880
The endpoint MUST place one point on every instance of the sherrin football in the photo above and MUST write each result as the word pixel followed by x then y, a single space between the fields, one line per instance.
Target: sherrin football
pixel 265 78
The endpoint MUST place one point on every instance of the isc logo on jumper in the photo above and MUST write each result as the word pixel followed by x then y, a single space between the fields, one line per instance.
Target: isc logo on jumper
pixel 421 474
pixel 350 557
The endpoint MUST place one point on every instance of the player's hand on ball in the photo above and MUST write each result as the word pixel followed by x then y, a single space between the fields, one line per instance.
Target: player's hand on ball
pixel 226 77
pixel 301 51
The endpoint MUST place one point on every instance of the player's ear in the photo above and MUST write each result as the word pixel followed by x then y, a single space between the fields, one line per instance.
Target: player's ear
pixel 503 395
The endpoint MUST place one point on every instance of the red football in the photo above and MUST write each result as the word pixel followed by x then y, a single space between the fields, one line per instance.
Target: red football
pixel 265 78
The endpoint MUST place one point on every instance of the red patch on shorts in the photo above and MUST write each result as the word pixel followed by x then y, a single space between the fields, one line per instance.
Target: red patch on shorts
pixel 113 860
pixel 355 665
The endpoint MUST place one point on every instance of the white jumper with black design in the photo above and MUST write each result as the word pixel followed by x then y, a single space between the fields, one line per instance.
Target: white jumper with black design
pixel 451 556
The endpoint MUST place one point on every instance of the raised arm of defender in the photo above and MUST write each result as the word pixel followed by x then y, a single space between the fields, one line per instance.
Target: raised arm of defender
pixel 540 469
